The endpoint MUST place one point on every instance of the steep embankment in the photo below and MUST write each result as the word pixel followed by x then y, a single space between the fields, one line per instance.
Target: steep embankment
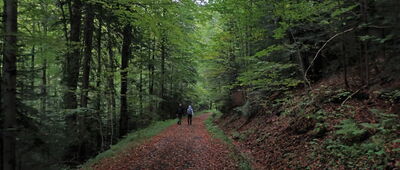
pixel 331 128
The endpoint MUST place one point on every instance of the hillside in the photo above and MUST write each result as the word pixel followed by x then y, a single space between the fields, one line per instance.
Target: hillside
pixel 335 128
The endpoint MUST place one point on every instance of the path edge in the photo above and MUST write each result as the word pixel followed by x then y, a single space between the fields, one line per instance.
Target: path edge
pixel 242 160
pixel 131 140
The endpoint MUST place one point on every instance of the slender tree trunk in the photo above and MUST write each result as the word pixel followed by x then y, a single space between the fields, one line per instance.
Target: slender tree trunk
pixel 88 39
pixel 126 52
pixel 33 51
pixel 151 74
pixel 343 51
pixel 365 43
pixel 171 81
pixel 162 83
pixel 73 58
pixel 110 82
pixel 99 65
pixel 364 59
pixel 9 108
pixel 70 80
pixel 344 56
pixel 43 89
pixel 141 89
pixel 98 88
pixel 152 66
pixel 149 50
pixel 163 56
pixel 64 19
pixel 303 62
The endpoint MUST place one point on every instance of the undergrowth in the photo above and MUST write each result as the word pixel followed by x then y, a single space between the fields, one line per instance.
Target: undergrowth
pixel 131 140
pixel 244 163
pixel 364 145
pixel 351 143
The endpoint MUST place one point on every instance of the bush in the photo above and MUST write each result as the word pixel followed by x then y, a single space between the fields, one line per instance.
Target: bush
pixel 349 132
pixel 392 96
pixel 363 145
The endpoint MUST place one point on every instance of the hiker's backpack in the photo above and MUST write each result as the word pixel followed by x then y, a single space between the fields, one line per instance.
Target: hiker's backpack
pixel 190 111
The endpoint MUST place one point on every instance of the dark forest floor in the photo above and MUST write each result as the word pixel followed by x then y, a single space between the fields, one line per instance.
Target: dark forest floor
pixel 177 147
pixel 299 133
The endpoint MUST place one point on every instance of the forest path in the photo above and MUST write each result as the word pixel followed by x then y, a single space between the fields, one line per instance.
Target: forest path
pixel 178 147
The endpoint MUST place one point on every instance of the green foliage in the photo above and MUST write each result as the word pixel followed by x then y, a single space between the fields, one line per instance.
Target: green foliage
pixel 321 127
pixel 368 145
pixel 339 96
pixel 349 131
pixel 268 51
pixel 393 96
pixel 368 155
pixel 268 75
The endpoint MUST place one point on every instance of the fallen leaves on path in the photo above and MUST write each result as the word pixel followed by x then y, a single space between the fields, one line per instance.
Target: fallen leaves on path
pixel 178 147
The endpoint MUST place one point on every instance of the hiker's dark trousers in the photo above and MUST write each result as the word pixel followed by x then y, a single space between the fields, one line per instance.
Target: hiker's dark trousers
pixel 179 119
pixel 190 119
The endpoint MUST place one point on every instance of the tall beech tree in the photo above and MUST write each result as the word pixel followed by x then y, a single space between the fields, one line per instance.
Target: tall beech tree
pixel 73 57
pixel 88 42
pixel 9 84
pixel 125 56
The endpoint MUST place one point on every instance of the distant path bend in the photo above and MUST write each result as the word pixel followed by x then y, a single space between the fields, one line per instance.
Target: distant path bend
pixel 177 147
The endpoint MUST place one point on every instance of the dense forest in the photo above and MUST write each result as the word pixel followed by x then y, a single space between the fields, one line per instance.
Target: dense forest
pixel 302 83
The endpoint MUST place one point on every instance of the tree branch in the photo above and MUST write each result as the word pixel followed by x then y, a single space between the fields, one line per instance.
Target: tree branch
pixel 319 51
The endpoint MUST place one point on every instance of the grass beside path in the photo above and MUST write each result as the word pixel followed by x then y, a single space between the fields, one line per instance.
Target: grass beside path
pixel 244 163
pixel 131 140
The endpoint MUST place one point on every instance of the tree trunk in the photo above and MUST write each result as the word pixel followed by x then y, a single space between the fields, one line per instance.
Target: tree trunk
pixel 126 52
pixel 88 39
pixel 344 56
pixel 70 80
pixel 43 89
pixel 72 64
pixel 343 51
pixel 364 59
pixel 65 24
pixel 110 83
pixel 9 108
pixel 171 80
pixel 33 51
pixel 163 55
pixel 163 113
pixel 151 73
pixel 98 82
pixel 141 90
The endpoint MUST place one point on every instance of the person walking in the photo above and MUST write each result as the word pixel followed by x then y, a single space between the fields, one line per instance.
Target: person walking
pixel 179 113
pixel 190 114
